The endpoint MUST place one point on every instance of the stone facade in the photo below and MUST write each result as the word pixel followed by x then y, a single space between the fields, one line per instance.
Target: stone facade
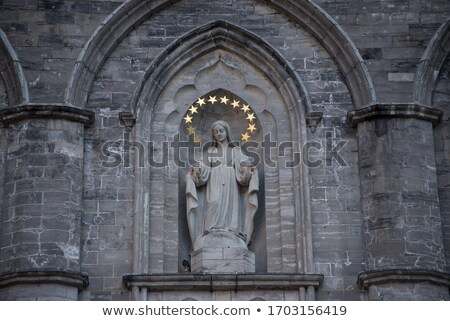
pixel 351 100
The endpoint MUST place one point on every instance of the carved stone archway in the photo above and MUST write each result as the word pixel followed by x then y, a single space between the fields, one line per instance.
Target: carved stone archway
pixel 304 12
pixel 221 39
pixel 186 71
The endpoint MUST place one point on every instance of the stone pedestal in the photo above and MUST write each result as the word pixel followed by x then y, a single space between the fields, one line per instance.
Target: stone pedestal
pixel 223 260
pixel 222 252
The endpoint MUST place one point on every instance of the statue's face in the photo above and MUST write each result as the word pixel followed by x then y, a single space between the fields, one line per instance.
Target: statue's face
pixel 220 133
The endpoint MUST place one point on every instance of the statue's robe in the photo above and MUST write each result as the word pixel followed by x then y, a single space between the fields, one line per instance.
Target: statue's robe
pixel 229 202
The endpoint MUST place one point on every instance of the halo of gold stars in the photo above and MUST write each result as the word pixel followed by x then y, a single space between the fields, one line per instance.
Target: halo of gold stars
pixel 231 103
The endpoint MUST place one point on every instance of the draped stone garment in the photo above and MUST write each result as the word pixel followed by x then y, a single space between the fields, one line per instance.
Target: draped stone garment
pixel 224 205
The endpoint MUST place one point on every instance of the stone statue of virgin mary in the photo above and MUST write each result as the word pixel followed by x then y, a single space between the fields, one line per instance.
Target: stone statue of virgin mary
pixel 221 193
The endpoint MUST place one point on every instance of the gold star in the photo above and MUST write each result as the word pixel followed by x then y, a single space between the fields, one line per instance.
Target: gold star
pixel 245 108
pixel 251 128
pixel 250 117
pixel 193 110
pixel 224 100
pixel 235 104
pixel 191 130
pixel 201 101
pixel 188 119
pixel 212 100
pixel 245 136
pixel 197 139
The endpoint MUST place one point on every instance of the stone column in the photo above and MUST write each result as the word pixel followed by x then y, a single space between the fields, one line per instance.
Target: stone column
pixel 400 206
pixel 41 215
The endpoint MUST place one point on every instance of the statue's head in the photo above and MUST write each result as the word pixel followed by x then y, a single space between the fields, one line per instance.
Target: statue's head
pixel 221 132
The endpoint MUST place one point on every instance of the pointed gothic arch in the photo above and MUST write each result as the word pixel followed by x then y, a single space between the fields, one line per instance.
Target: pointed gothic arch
pixel 12 74
pixel 433 58
pixel 159 111
pixel 304 12
pixel 220 34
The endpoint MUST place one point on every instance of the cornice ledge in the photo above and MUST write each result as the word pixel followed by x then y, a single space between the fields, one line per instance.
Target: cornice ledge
pixel 221 282
pixel 404 110
pixel 59 111
pixel 367 279
pixel 75 279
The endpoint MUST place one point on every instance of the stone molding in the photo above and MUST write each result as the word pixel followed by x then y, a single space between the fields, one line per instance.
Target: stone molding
pixel 366 279
pixel 222 282
pixel 392 110
pixel 53 111
pixel 74 279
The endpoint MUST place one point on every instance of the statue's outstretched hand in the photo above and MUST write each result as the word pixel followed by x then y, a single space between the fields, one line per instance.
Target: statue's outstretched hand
pixel 194 171
pixel 248 168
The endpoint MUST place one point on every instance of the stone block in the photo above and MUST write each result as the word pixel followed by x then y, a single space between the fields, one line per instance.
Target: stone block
pixel 55 17
pixel 401 77
pixel 104 7
pixel 223 260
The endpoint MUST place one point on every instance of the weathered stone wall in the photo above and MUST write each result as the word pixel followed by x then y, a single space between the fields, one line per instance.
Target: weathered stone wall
pixel 108 205
pixel 391 36
pixel 48 36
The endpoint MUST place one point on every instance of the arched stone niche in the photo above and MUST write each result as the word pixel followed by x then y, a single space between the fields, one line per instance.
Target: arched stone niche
pixel 221 56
